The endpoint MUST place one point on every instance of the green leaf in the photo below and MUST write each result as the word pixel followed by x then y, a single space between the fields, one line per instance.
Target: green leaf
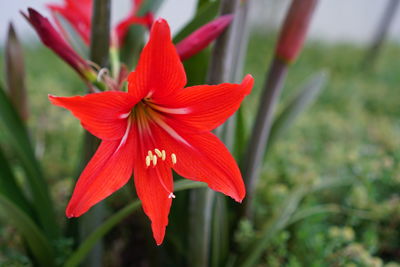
pixel 306 212
pixel 76 258
pixel 276 224
pixel 196 68
pixel 220 232
pixel 240 134
pixel 9 187
pixel 17 137
pixel 15 73
pixel 37 242
pixel 206 13
pixel 306 96
pixel 289 213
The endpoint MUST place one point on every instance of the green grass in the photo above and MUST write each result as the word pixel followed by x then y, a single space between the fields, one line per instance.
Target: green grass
pixel 351 132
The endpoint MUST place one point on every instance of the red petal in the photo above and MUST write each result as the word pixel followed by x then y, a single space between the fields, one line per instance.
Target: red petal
pixel 202 37
pixel 153 195
pixel 123 26
pixel 78 14
pixel 108 170
pixel 207 106
pixel 153 185
pixel 202 157
pixel 103 114
pixel 159 71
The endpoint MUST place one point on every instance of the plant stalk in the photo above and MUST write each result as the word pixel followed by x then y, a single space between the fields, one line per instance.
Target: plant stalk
pixel 99 53
pixel 259 139
pixel 381 32
pixel 202 200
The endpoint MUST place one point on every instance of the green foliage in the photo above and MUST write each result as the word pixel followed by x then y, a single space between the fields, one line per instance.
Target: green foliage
pixel 351 133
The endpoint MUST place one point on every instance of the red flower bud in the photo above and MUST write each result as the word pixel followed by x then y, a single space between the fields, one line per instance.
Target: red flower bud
pixel 52 39
pixel 294 29
pixel 202 37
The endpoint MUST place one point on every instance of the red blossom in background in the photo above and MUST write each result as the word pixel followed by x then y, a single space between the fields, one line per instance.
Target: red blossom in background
pixel 156 126
pixel 295 29
pixel 79 13
pixel 52 39
pixel 202 37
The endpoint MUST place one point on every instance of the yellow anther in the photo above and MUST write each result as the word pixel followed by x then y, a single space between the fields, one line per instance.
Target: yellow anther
pixel 150 154
pixel 163 155
pixel 154 160
pixel 173 158
pixel 148 161
pixel 171 195
pixel 158 152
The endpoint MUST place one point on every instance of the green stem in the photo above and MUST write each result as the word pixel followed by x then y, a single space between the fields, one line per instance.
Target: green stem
pixel 99 52
pixel 259 138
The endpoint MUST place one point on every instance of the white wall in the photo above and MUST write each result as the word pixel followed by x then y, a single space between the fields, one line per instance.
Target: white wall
pixel 335 20
pixel 177 12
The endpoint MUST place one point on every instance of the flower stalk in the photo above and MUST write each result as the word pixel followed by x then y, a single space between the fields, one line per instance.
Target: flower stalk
pixel 289 45
pixel 99 52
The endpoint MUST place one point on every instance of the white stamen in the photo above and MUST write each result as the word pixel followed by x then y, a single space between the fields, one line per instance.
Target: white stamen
pixel 148 161
pixel 124 115
pixel 125 137
pixel 150 154
pixel 171 195
pixel 173 158
pixel 163 155
pixel 170 131
pixel 101 73
pixel 173 110
pixel 158 152
pixel 154 160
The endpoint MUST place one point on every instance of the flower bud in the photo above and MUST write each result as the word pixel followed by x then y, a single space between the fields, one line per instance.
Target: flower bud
pixel 294 29
pixel 202 37
pixel 53 40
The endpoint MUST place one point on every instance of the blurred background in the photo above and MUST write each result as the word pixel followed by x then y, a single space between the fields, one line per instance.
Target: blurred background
pixel 345 146
pixel 334 21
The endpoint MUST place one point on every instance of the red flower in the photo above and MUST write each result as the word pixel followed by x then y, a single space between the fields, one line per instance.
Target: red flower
pixel 52 39
pixel 156 126
pixel 203 36
pixel 79 14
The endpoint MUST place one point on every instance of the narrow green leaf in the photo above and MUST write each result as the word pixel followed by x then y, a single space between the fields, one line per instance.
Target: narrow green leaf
pixel 205 14
pixel 15 73
pixel 220 232
pixel 9 187
pixel 306 96
pixel 276 224
pixel 240 134
pixel 17 137
pixel 287 214
pixel 306 212
pixel 76 258
pixel 34 237
pixel 196 68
